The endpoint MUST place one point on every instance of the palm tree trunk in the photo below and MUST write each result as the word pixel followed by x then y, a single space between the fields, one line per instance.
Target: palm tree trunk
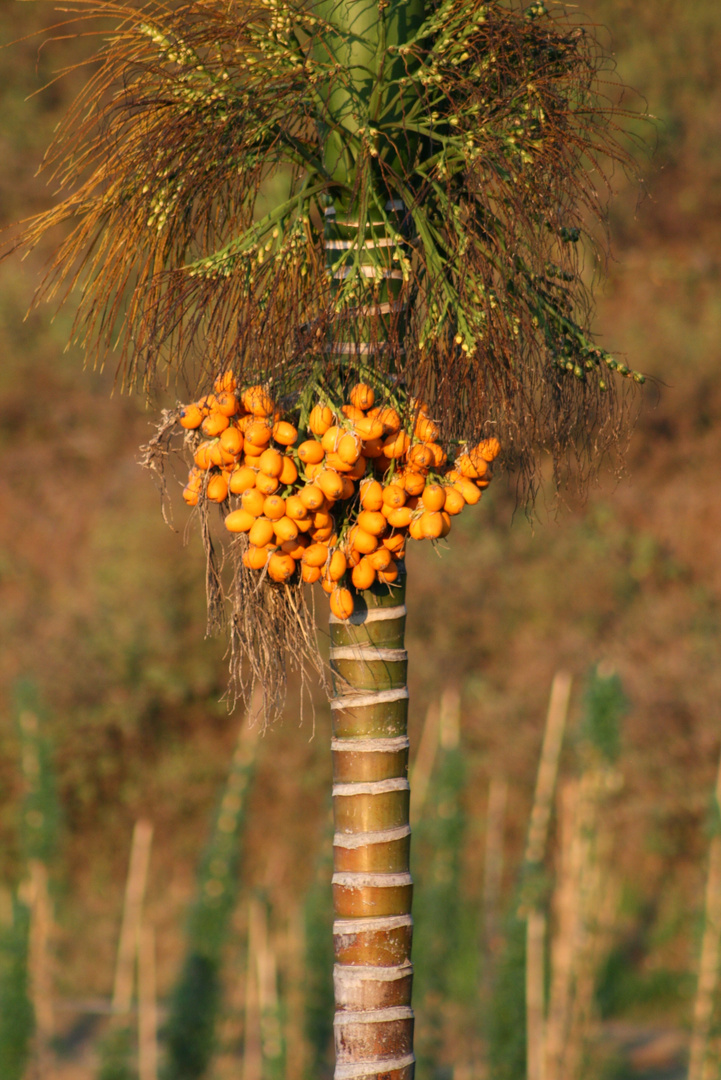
pixel 372 885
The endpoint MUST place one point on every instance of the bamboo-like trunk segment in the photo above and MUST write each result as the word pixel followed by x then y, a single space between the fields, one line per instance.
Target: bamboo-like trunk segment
pixel 372 886
pixel 132 914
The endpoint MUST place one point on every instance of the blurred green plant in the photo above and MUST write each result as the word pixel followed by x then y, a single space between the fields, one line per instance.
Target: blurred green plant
pixel 17 1021
pixel 116 1053
pixel 196 1000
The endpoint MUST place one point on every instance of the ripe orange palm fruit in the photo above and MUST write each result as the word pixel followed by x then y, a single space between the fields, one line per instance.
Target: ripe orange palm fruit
pixel 311 496
pixel 232 440
pixel 255 557
pixel 217 490
pixel 315 555
pixel 389 575
pixel 349 448
pixel 281 567
pixel 224 381
pixel 371 495
pixel 252 500
pixel 413 482
pixel 380 558
pixel 358 469
pixel 434 497
pixel 214 423
pixel 373 448
pixel 296 547
pixel 363 574
pixel 202 456
pixel 331 439
pixel 388 417
pixel 295 508
pixel 341 603
pixel 285 434
pixel 426 429
pixel 226 403
pixel 431 524
pixel 394 496
pixel 420 456
pixel 337 565
pixel 262 532
pixel 373 522
pixel 362 396
pixel 352 412
pixel 239 521
pixel 396 445
pixel 310 574
pixel 311 452
pixel 468 490
pixel 191 417
pixel 454 501
pixel 271 462
pixel 361 540
pixel 267 484
pixel 274 507
pixel 489 448
pixel 257 434
pixel 257 400
pixel 285 529
pixel 321 418
pixel 395 543
pixel 241 479
pixel 289 472
pixel 400 517
pixel 330 483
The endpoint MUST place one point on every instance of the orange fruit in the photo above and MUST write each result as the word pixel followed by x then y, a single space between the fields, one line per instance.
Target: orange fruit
pixel 274 507
pixel 468 490
pixel 213 424
pixel 257 400
pixel 341 603
pixel 352 412
pixel 190 417
pixel 440 457
pixel 434 497
pixel 219 457
pixel 284 433
pixel 190 495
pixel 255 558
pixel 394 496
pixel 389 575
pixel 337 565
pixel 369 427
pixel 239 521
pixel 289 472
pixel 311 471
pixel 388 417
pixel 252 500
pixel 286 529
pixel 330 484
pixel 420 456
pixel 315 555
pixel 261 532
pixel 267 484
pixel 331 439
pixel 489 449
pixel 363 574
pixel 479 463
pixel 414 482
pixel 426 429
pixel 271 462
pixel 295 508
pixel 295 547
pixel 431 524
pixel 371 495
pixel 311 496
pixel 396 543
pixel 396 445
pixel 322 536
pixel 349 448
pixel 380 558
pixel 310 574
pixel 454 501
pixel 202 456
pixel 336 462
pixel 232 441
pixel 358 469
pixel 414 529
pixel 217 490
pixel 400 517
pixel 224 381
pixel 281 567
pixel 320 419
pixel 327 585
pixel 373 522
pixel 257 434
pixel 226 403
pixel 348 488
pixel 242 479
pixel 361 540
pixel 362 396
pixel 446 523
pixel 311 452
pixel 322 519
pixel 466 467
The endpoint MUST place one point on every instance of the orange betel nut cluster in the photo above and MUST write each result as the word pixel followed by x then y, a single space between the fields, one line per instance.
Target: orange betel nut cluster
pixel 341 501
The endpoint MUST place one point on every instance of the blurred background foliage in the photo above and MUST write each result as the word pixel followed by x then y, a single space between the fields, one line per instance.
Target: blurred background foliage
pixel 102 610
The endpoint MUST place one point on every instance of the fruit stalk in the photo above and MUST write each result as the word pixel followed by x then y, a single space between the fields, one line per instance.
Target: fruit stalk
pixel 372 886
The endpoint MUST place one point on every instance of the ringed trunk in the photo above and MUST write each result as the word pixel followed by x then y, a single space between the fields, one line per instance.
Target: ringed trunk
pixel 372 886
